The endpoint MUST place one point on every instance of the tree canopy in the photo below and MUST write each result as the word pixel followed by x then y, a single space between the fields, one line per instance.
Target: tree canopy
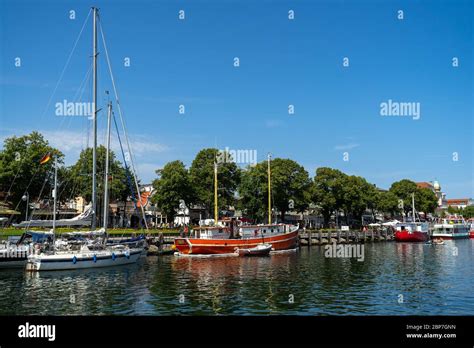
pixel 20 168
pixel 425 199
pixel 290 184
pixel 202 179
pixel 81 175
pixel 172 185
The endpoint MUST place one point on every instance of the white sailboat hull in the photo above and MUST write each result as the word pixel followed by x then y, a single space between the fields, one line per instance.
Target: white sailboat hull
pixel 68 261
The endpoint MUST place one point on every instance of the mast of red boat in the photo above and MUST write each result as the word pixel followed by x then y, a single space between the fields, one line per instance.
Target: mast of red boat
pixel 269 192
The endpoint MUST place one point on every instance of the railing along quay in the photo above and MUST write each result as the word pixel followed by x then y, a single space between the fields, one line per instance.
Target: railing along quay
pixel 315 237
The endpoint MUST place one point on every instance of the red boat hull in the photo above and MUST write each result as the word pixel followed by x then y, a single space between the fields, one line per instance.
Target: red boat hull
pixel 471 234
pixel 416 236
pixel 282 241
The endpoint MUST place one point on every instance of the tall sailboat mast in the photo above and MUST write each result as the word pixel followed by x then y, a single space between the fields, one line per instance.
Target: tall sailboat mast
pixel 413 205
pixel 55 193
pixel 94 119
pixel 216 210
pixel 269 192
pixel 106 176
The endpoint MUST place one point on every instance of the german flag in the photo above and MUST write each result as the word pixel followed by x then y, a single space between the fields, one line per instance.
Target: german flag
pixel 45 158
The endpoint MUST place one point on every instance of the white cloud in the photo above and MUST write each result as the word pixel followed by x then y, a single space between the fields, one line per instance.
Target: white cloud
pixel 349 146
pixel 71 143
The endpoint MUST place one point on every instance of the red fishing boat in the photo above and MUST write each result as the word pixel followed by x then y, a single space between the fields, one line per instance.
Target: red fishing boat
pixel 222 240
pixel 412 231
pixel 229 237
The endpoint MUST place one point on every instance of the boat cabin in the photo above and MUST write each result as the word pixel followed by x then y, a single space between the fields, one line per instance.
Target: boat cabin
pixel 412 227
pixel 263 230
pixel 211 232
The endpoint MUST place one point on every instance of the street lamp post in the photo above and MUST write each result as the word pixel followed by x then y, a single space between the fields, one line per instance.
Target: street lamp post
pixel 26 197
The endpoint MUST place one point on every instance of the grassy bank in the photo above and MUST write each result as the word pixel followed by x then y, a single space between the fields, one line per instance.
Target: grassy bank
pixel 5 232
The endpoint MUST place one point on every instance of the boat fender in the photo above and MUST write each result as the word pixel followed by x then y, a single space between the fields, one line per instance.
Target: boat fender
pixel 95 258
pixel 127 254
pixel 113 256
pixel 74 259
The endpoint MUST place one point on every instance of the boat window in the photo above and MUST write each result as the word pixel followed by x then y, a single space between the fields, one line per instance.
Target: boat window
pixel 220 230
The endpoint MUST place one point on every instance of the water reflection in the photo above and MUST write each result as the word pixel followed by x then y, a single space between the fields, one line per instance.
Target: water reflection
pixel 432 280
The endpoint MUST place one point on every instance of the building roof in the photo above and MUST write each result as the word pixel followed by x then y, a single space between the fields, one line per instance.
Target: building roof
pixel 424 184
pixel 458 200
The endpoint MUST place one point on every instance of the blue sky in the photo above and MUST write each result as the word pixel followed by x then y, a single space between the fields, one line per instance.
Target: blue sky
pixel 282 62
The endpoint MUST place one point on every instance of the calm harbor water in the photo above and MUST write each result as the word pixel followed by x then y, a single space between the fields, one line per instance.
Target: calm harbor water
pixel 433 280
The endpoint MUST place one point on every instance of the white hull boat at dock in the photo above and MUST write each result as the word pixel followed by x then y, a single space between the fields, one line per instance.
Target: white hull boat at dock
pixel 83 259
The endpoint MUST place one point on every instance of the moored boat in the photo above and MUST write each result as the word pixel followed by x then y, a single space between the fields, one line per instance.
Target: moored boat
pixel 15 255
pixel 83 258
pixel 219 240
pixel 452 227
pixel 471 232
pixel 259 250
pixel 412 231
pixel 79 250
pixel 226 239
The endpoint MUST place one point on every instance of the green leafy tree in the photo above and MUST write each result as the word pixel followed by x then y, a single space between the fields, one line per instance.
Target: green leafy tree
pixel 81 175
pixel 253 192
pixel 403 190
pixel 357 196
pixel 468 212
pixel 327 191
pixel 20 168
pixel 173 184
pixel 290 184
pixel 388 203
pixel 425 200
pixel 202 179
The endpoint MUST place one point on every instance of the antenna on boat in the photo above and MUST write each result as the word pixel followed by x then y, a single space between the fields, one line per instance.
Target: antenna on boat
pixel 106 176
pixel 216 210
pixel 269 191
pixel 94 118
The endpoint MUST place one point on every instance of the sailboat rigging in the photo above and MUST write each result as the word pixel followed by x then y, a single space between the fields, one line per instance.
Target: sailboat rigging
pixel 93 253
